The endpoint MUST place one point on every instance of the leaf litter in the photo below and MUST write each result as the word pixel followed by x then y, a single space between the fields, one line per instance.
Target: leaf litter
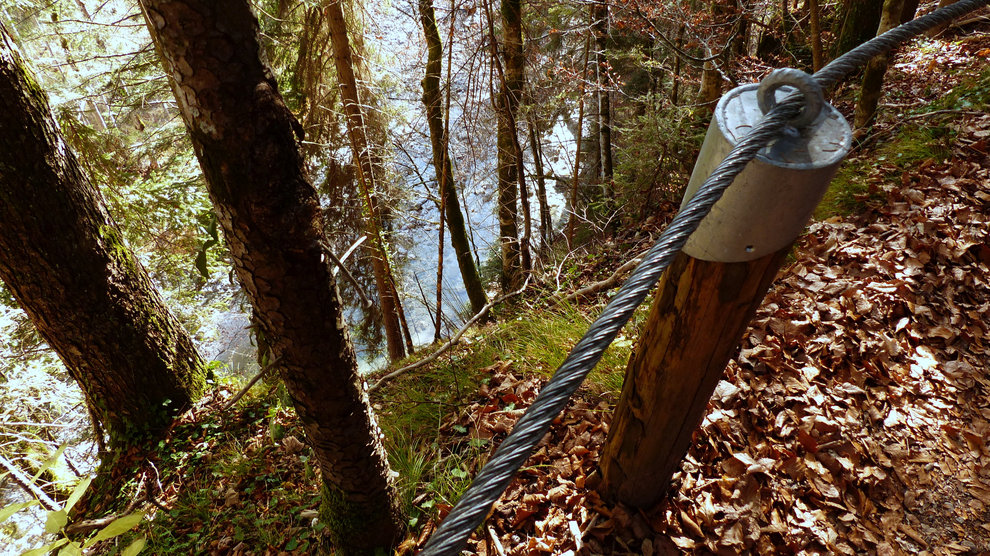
pixel 855 418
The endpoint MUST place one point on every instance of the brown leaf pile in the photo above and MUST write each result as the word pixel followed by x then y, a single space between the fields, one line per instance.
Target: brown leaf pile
pixel 551 506
pixel 856 418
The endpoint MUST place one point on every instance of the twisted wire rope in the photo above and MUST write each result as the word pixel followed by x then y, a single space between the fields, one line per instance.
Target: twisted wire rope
pixel 495 476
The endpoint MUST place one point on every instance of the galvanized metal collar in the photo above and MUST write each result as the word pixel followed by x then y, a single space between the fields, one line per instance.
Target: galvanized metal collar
pixel 771 200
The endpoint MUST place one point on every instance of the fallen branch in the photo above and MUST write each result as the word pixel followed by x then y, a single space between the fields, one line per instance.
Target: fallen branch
pixel 939 112
pixel 605 284
pixel 347 273
pixel 28 485
pixel 237 397
pixel 450 343
pixel 87 525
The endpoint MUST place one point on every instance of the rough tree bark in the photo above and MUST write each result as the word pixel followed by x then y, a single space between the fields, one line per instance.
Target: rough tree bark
pixel 857 24
pixel 663 400
pixel 441 160
pixel 245 139
pixel 64 260
pixel 872 87
pixel 368 174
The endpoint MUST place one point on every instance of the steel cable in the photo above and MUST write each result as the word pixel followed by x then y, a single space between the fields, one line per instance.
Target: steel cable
pixel 489 484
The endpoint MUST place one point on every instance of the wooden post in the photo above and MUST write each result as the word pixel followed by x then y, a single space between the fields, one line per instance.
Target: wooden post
pixel 710 292
pixel 700 311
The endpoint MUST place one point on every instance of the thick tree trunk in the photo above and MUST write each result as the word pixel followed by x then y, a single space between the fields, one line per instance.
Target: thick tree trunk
pixel 441 160
pixel 512 86
pixel 859 20
pixel 711 86
pixel 872 87
pixel 245 139
pixel 368 178
pixel 63 258
pixel 740 44
pixel 507 202
pixel 508 165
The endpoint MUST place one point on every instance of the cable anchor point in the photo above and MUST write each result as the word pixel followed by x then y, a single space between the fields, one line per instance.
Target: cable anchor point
pixel 807 85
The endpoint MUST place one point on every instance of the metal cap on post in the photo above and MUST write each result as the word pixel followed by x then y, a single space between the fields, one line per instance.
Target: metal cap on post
pixel 772 199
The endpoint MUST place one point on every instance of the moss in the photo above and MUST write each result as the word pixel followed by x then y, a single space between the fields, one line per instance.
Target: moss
pixel 924 138
pixel 851 192
pixel 115 243
pixel 348 521
pixel 34 91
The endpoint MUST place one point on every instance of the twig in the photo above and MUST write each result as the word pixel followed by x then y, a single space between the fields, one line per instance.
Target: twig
pixel 450 343
pixel 88 525
pixel 938 112
pixel 604 284
pixel 875 135
pixel 560 268
pixel 347 273
pixel 250 384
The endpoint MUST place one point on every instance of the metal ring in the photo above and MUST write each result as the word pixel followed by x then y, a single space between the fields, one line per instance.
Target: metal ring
pixel 814 99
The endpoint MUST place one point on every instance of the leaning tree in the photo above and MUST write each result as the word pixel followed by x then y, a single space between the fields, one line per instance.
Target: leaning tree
pixel 246 141
pixel 63 258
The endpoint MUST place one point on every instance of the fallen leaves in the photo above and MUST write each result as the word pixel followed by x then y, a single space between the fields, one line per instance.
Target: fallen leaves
pixel 856 418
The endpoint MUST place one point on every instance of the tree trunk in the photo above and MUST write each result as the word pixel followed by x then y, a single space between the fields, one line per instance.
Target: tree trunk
pixel 909 10
pixel 872 87
pixel 367 177
pixel 512 82
pixel 817 58
pixel 509 164
pixel 245 139
pixel 604 102
pixel 938 30
pixel 786 25
pixel 663 399
pixel 546 224
pixel 711 86
pixel 63 258
pixel 441 160
pixel 859 21
pixel 573 201
pixel 676 86
pixel 741 41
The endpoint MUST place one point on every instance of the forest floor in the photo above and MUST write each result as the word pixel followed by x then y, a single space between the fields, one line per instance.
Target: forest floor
pixel 855 418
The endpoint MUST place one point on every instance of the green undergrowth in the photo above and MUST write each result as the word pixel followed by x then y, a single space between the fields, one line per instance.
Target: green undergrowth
pixel 414 408
pixel 927 133
pixel 856 184
pixel 237 477
pixel 237 481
